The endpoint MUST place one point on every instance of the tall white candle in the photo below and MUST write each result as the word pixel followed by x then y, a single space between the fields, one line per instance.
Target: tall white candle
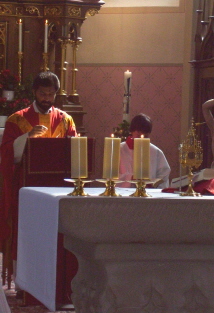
pixel 127 81
pixel 111 158
pixel 79 157
pixel 126 99
pixel 141 160
pixel 46 37
pixel 20 35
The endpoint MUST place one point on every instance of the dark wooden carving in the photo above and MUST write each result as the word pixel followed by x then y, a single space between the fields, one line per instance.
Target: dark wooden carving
pixel 65 18
pixel 203 65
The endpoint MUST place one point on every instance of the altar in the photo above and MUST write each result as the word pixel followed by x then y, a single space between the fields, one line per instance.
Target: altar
pixel 135 254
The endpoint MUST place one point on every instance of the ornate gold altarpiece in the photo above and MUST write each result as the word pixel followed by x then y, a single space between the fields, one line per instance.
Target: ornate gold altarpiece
pixel 64 19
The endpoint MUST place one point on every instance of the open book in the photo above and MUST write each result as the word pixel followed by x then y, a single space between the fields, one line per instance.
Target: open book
pixel 154 183
pixel 205 174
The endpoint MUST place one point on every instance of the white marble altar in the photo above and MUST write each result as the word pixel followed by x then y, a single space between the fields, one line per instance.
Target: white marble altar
pixel 135 255
pixel 141 255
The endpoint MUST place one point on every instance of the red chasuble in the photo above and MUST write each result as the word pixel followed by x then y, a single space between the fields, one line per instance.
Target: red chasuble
pixel 59 124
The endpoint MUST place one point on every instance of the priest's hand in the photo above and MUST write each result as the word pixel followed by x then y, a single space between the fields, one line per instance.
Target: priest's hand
pixel 37 131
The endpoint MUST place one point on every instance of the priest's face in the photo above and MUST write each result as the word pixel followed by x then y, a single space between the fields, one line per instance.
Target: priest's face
pixel 45 97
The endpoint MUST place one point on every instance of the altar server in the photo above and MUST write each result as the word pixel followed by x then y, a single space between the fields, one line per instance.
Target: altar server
pixel 141 124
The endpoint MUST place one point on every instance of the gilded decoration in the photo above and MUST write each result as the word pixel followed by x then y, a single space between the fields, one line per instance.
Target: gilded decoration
pixel 74 11
pixel 53 11
pixel 5 9
pixel 92 11
pixel 33 10
pixel 3 42
pixel 19 11
pixel 3 33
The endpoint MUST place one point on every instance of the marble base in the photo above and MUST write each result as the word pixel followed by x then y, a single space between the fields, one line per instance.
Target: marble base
pixel 141 255
pixel 140 278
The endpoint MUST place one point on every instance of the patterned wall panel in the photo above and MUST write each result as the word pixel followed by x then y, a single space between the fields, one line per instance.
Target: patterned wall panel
pixel 156 91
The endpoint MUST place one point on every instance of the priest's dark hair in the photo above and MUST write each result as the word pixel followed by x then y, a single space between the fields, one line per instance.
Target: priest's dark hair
pixel 141 123
pixel 46 79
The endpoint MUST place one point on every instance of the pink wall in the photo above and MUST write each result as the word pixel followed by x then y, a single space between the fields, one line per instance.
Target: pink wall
pixel 156 91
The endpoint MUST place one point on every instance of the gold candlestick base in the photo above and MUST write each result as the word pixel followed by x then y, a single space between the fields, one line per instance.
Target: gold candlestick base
pixel 78 186
pixel 110 187
pixel 140 188
pixel 190 191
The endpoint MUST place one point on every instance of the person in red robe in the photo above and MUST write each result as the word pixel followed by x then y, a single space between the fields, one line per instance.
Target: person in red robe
pixel 40 119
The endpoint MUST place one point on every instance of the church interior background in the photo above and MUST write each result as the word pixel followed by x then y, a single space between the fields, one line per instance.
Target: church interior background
pixel 153 54
pixel 159 44
pixel 155 43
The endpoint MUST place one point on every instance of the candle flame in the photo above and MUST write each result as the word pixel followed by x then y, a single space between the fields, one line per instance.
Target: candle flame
pixel 78 135
pixel 46 21
pixel 20 20
pixel 142 136
pixel 112 135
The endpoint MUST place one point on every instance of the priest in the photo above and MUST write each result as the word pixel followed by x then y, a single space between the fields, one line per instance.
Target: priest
pixel 40 119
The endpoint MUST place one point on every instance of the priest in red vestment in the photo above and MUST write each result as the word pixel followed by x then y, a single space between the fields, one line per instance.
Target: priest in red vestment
pixel 40 119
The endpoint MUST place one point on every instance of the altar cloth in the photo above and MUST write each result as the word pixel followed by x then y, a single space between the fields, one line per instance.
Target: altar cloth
pixel 38 230
pixel 37 241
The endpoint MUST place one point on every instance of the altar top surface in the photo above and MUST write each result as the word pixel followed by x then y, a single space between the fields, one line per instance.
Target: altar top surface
pixel 161 218
pixel 123 192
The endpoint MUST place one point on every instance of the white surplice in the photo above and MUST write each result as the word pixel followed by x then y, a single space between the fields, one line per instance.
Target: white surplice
pixel 159 167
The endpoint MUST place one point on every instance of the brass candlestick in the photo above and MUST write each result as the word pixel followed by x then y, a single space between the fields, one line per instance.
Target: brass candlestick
pixel 140 188
pixel 110 187
pixel 75 45
pixel 64 43
pixel 78 186
pixel 45 62
pixel 191 156
pixel 20 57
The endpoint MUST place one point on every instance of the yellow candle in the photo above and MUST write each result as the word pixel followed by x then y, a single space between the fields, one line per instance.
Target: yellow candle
pixel 46 37
pixel 111 158
pixel 20 35
pixel 79 157
pixel 141 159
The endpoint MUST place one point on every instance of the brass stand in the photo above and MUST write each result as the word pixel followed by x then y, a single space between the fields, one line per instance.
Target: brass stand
pixel 20 57
pixel 75 45
pixel 140 189
pixel 191 156
pixel 190 191
pixel 45 63
pixel 78 186
pixel 110 188
pixel 64 42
